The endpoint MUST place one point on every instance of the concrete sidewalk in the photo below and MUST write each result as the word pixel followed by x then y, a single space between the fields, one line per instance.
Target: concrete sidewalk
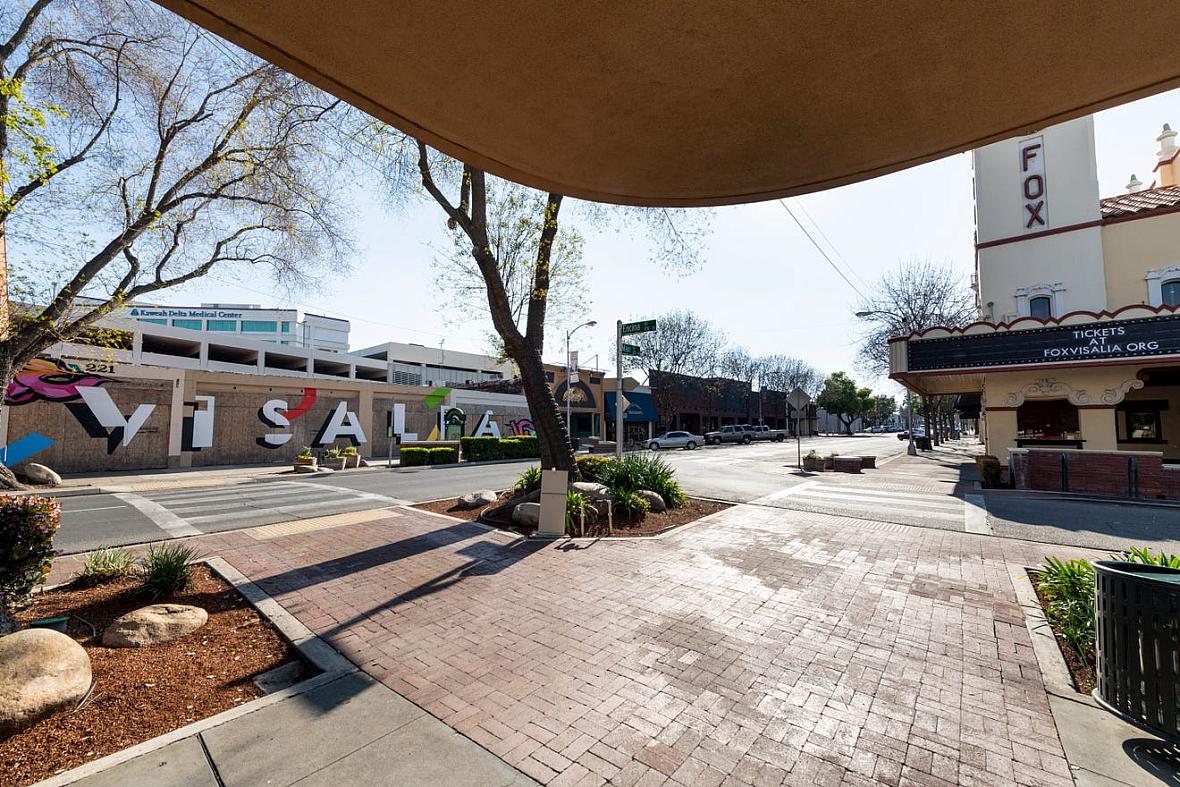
pixel 352 730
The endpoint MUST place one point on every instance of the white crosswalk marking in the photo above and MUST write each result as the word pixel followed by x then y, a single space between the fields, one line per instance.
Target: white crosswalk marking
pixel 879 502
pixel 202 510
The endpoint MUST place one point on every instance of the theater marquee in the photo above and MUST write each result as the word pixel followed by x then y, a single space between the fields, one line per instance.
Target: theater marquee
pixel 1089 342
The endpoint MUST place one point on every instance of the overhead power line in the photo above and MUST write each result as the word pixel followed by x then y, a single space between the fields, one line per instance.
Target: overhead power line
pixel 820 249
pixel 832 246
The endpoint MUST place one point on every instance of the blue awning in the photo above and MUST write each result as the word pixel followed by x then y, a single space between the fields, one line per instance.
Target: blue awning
pixel 641 407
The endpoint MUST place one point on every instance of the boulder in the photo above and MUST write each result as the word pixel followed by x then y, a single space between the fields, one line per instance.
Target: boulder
pixel 655 503
pixel 153 624
pixel 484 497
pixel 41 672
pixel 307 469
pixel 591 490
pixel 40 474
pixel 527 514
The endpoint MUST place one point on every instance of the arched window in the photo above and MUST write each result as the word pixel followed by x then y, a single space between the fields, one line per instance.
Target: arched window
pixel 1170 290
pixel 1042 306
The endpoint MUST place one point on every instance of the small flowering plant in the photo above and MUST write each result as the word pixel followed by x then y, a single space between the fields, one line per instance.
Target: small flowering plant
pixel 27 527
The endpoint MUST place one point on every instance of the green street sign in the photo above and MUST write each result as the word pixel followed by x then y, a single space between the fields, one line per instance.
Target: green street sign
pixel 631 349
pixel 644 326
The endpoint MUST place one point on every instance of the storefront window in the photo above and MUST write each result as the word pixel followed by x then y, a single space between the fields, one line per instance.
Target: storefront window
pixel 1140 422
pixel 1041 308
pixel 1048 419
pixel 1171 292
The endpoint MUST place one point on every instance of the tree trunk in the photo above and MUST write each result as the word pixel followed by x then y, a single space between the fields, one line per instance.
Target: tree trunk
pixel 8 479
pixel 557 453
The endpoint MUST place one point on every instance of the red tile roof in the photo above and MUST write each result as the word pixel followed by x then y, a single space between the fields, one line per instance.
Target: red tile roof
pixel 1139 202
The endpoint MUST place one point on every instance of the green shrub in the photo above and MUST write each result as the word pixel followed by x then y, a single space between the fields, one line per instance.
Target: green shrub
pixel 1068 587
pixel 578 508
pixel 488 449
pixel 106 564
pixel 27 526
pixel 527 481
pixel 1145 556
pixel 414 457
pixel 165 569
pixel 442 456
pixel 348 450
pixel 591 467
pixel 642 471
pixel 305 453
pixel 332 453
pixel 628 505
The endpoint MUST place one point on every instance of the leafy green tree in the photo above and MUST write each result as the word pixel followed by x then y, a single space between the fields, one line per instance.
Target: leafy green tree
pixel 842 398
pixel 138 154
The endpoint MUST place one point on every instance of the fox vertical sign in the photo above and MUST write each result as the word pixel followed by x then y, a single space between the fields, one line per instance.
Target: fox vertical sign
pixel 1034 196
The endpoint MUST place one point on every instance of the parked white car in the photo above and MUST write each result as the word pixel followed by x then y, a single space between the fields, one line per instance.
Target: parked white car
pixel 676 440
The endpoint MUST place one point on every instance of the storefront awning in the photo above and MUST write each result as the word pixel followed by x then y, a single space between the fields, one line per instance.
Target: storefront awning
pixel 641 407
pixel 708 103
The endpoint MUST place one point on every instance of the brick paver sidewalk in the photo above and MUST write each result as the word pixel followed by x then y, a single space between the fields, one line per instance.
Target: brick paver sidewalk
pixel 758 647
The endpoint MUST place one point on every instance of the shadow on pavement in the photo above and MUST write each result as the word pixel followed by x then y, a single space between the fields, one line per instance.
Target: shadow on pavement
pixel 1159 759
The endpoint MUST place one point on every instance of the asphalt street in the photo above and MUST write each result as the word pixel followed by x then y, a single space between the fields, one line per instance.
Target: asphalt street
pixel 760 473
pixel 740 473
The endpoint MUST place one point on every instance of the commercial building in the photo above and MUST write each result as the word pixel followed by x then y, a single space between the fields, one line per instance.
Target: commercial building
pixel 415 364
pixel 703 404
pixel 1076 357
pixel 167 396
pixel 249 321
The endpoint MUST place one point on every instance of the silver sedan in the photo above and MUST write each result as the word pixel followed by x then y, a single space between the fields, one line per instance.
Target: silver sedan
pixel 676 440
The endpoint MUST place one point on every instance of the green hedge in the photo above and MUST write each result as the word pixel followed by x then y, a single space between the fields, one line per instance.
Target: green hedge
pixel 443 456
pixel 485 449
pixel 413 457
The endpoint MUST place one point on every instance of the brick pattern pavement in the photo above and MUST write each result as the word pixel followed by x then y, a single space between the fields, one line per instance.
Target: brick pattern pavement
pixel 758 647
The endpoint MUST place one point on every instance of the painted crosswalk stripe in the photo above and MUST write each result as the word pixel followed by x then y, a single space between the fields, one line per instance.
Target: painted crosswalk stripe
pixel 951 504
pixel 261 500
pixel 223 493
pixel 357 493
pixel 162 517
pixel 975 515
pixel 294 511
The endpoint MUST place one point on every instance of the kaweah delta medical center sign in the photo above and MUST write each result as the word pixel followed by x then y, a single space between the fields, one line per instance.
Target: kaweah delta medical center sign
pixel 1136 338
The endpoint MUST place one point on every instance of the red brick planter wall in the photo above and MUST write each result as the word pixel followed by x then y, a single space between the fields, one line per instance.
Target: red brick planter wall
pixel 1109 473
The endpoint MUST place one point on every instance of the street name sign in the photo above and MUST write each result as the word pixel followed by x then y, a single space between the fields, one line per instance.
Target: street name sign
pixel 631 349
pixel 643 326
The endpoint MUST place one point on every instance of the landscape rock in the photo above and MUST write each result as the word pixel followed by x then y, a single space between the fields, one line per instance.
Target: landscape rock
pixel 41 672
pixel 40 474
pixel 307 469
pixel 484 497
pixel 655 503
pixel 591 490
pixel 153 624
pixel 527 514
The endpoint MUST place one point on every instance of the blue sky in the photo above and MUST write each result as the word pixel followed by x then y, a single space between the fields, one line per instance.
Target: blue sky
pixel 761 281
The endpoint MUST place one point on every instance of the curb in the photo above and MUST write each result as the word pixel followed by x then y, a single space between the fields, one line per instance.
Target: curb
pixel 320 654
pixel 1080 498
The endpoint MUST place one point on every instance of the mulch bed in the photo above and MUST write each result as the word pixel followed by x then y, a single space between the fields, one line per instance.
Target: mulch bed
pixel 145 692
pixel 1080 670
pixel 652 524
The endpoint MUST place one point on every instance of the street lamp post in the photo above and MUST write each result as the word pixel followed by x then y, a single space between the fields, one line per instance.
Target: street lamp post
pixel 911 449
pixel 569 432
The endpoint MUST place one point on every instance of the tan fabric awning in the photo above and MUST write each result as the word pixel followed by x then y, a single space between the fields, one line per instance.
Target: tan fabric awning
pixel 710 102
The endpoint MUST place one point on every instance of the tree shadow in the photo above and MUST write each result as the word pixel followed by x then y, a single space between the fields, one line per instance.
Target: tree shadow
pixel 317 573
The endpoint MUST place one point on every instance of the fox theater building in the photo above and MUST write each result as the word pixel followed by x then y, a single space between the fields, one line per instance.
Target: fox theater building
pixel 1075 361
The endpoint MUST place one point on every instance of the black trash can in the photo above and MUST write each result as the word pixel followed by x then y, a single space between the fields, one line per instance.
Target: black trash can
pixel 1137 644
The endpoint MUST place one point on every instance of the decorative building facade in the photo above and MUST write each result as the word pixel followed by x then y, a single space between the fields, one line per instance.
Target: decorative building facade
pixel 1076 357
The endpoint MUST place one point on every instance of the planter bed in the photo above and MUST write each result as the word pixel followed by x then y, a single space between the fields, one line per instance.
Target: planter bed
pixel 1080 671
pixel 145 692
pixel 650 525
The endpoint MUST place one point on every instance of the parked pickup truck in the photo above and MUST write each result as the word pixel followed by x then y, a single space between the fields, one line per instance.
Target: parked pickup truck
pixel 766 433
pixel 730 434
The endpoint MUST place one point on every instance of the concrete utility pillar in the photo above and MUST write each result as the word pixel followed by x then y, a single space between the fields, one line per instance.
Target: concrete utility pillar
pixel 554 484
pixel 1098 428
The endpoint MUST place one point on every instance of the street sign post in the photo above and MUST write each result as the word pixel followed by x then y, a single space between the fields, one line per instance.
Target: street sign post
pixel 625 329
pixel 798 400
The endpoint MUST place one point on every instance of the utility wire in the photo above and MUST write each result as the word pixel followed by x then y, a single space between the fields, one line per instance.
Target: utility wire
pixel 820 249
pixel 832 246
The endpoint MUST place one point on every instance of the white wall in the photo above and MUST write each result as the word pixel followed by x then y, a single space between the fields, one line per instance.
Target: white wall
pixel 1072 259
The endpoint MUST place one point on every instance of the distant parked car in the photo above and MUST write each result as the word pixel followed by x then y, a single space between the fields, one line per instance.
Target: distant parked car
pixel 676 440
pixel 762 432
pixel 731 434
